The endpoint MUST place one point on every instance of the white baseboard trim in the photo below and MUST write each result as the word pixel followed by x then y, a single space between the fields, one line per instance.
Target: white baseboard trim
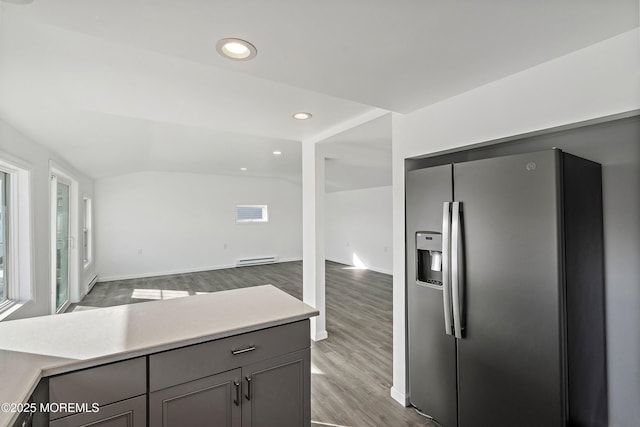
pixel 399 397
pixel 319 336
pixel 163 273
pixel 381 270
pixel 289 259
pixel 372 268
pixel 180 271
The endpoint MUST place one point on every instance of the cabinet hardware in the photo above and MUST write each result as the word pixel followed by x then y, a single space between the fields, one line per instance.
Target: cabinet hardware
pixel 244 350
pixel 248 395
pixel 237 399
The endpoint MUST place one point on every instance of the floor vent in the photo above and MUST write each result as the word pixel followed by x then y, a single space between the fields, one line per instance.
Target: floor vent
pixel 243 262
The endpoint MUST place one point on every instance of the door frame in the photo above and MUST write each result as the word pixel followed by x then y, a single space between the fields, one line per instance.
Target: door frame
pixel 58 174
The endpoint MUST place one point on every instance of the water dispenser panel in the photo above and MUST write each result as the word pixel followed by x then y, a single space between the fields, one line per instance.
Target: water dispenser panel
pixel 429 258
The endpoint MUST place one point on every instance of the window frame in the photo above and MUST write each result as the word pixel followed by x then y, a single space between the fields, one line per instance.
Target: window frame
pixel 18 244
pixel 59 174
pixel 4 233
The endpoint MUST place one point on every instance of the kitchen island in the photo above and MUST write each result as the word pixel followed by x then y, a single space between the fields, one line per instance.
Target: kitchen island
pixel 172 344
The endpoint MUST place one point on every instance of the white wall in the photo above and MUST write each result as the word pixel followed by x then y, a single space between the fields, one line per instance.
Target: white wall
pixel 598 81
pixel 181 222
pixel 37 158
pixel 359 222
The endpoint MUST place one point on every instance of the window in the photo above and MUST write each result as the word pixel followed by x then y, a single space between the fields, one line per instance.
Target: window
pixel 252 213
pixel 86 231
pixel 15 233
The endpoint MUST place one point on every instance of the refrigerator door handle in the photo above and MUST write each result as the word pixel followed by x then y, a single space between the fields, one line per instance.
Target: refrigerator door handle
pixel 457 265
pixel 446 246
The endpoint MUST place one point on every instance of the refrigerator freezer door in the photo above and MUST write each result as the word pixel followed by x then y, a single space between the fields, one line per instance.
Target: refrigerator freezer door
pixel 509 361
pixel 432 353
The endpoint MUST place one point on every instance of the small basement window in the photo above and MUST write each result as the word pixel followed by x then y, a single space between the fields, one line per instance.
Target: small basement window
pixel 252 213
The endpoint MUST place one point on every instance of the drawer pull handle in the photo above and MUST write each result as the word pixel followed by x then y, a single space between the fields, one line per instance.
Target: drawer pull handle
pixel 248 395
pixel 237 399
pixel 244 350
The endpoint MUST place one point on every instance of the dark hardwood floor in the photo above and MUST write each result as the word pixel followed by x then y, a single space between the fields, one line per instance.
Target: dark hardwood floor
pixel 351 370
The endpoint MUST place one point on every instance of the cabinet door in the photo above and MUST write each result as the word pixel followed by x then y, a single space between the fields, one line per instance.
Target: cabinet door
pixel 210 401
pixel 277 392
pixel 128 413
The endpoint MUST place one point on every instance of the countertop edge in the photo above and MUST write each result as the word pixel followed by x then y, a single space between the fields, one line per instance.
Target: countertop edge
pixel 118 357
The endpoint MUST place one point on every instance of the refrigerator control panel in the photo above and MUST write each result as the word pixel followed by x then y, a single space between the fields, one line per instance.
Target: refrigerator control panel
pixel 429 258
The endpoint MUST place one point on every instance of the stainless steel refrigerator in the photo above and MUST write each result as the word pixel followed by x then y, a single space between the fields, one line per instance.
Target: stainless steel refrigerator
pixel 505 293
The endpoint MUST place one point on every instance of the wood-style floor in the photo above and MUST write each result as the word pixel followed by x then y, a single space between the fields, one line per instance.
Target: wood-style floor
pixel 351 370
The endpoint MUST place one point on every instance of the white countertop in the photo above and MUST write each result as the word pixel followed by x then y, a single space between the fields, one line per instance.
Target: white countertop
pixel 42 346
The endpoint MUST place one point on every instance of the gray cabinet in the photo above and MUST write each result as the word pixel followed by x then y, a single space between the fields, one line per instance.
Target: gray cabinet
pixel 107 396
pixel 261 378
pixel 117 381
pixel 211 401
pixel 272 392
pixel 127 413
pixel 278 392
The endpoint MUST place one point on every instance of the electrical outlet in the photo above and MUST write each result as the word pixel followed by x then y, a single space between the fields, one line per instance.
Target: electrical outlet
pixel 139 251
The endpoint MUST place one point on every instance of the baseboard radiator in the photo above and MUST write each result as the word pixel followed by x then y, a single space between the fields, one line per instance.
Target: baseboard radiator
pixel 92 282
pixel 243 262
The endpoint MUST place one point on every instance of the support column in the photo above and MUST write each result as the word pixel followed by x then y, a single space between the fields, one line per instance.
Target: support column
pixel 313 286
pixel 399 390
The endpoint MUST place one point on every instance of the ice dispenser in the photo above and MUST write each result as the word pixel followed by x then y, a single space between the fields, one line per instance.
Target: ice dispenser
pixel 429 258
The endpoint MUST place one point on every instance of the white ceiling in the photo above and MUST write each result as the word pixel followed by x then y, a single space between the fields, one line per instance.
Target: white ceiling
pixel 121 86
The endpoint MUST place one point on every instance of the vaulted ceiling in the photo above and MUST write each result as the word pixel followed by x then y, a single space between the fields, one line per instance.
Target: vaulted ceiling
pixel 121 86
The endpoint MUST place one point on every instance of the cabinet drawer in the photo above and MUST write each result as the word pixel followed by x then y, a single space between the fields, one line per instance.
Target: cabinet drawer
pixel 201 360
pixel 102 384
pixel 130 413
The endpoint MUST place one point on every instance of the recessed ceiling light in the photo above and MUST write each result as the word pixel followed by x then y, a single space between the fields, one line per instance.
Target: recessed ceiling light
pixel 277 153
pixel 237 49
pixel 243 169
pixel 302 116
